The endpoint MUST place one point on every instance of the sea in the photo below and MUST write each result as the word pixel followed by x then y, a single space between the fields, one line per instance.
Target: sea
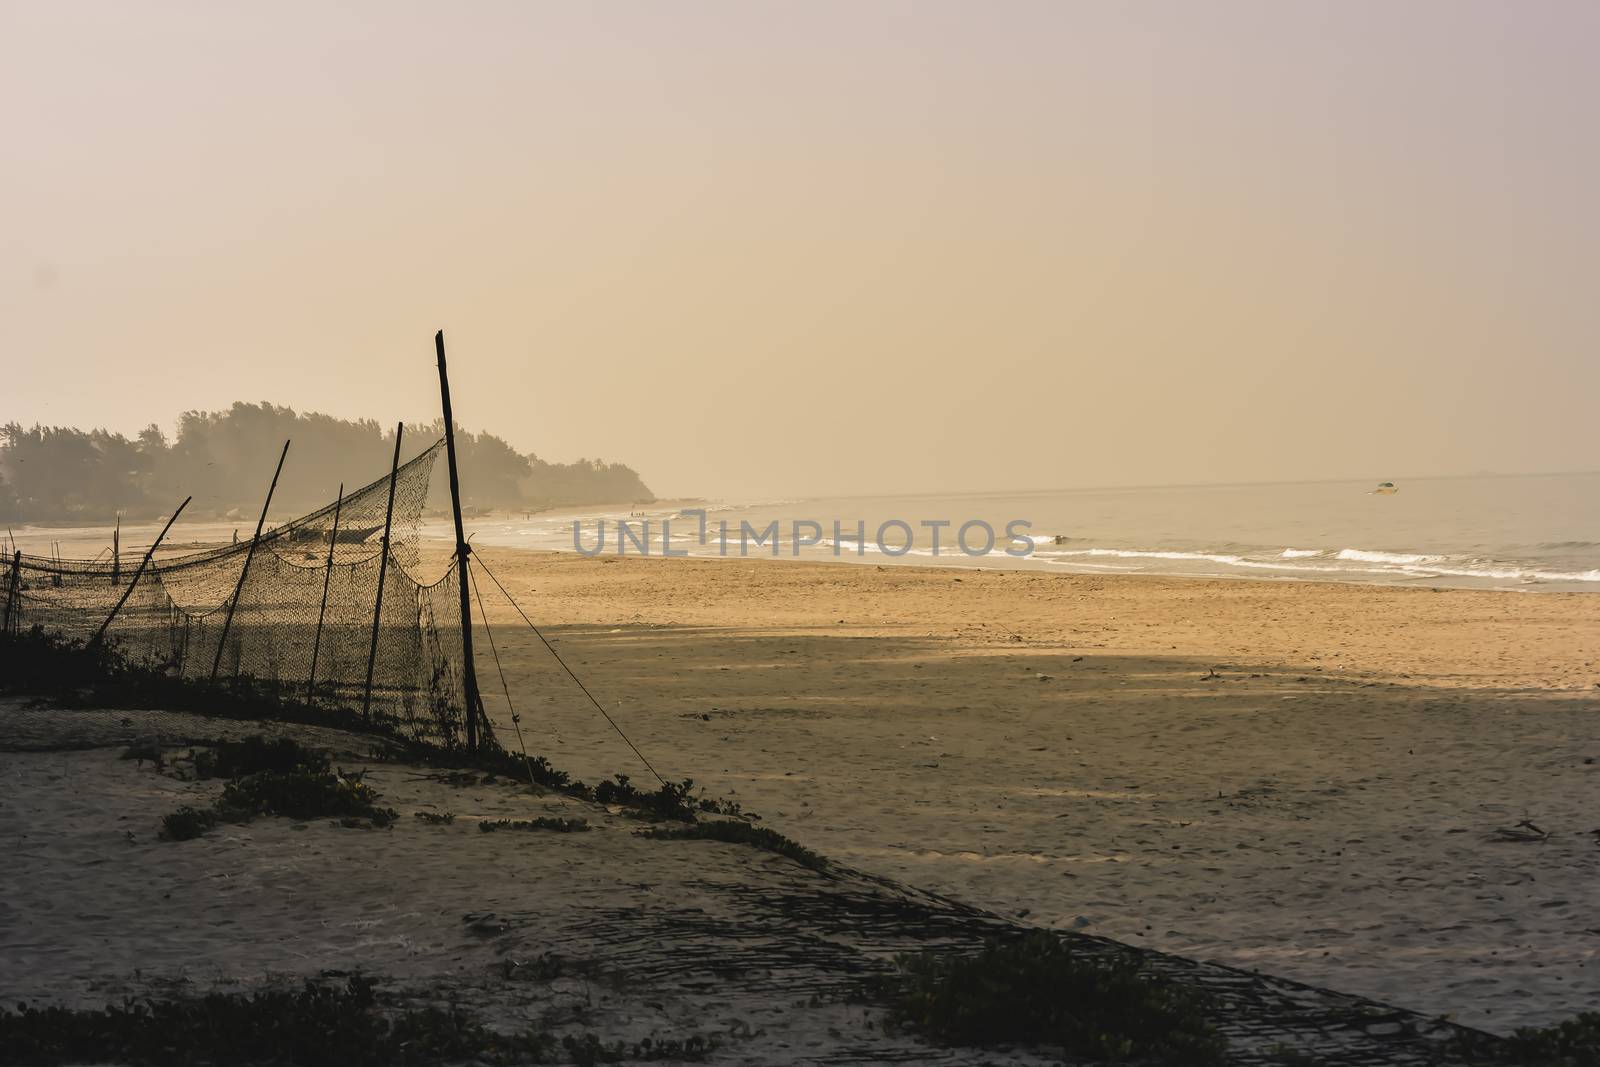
pixel 1528 533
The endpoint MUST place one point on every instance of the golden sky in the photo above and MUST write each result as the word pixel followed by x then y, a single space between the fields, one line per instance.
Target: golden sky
pixel 786 248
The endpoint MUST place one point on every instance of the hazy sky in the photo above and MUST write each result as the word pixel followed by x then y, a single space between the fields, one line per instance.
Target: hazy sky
pixel 771 248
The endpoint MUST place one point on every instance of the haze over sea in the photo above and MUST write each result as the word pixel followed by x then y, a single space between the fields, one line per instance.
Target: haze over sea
pixel 1523 532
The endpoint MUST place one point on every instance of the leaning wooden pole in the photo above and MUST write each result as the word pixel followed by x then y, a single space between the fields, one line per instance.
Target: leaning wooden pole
pixel 11 589
pixel 469 672
pixel 137 574
pixel 383 570
pixel 327 578
pixel 249 554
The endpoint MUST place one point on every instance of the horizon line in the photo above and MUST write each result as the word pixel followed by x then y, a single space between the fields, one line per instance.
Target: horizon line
pixel 1146 485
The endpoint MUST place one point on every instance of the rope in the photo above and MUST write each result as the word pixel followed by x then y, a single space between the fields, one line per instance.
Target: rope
pixel 551 649
pixel 516 720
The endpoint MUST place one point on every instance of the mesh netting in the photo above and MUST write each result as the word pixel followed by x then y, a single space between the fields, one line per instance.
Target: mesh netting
pixel 299 618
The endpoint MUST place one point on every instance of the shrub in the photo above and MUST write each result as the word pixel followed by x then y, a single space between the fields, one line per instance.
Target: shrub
pixel 560 826
pixel 35 661
pixel 546 967
pixel 671 801
pixel 186 823
pixel 543 773
pixel 1573 1043
pixel 1035 990
pixel 589 1050
pixel 435 818
pixel 722 807
pixel 316 1026
pixel 299 793
pixel 233 759
pixel 491 757
pixel 741 833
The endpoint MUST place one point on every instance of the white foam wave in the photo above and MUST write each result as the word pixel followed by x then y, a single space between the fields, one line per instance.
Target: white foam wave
pixel 1508 572
pixel 1197 557
pixel 1364 556
pixel 1348 562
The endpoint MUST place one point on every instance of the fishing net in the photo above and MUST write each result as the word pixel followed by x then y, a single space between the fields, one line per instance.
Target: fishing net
pixel 293 613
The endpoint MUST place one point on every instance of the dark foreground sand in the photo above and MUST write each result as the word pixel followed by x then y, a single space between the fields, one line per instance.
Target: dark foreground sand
pixel 602 932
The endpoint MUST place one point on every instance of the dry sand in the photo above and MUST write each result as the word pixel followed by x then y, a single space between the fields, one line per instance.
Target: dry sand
pixel 1308 779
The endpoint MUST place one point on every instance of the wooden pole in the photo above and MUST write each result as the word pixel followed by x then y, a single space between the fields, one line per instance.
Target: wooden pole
pixel 250 553
pixel 137 574
pixel 316 644
pixel 11 588
pixel 116 551
pixel 383 570
pixel 469 672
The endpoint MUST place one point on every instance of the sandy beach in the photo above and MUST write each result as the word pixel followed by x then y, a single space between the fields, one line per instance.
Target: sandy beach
pixel 1381 792
pixel 1308 779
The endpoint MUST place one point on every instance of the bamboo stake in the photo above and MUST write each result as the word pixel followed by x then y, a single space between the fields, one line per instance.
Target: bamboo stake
pixel 233 602
pixel 383 570
pixel 469 671
pixel 11 588
pixel 316 644
pixel 143 563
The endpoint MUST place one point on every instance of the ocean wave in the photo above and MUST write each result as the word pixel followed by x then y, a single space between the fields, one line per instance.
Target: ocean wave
pixel 1510 572
pixel 1526 565
pixel 1362 555
pixel 737 505
pixel 1195 557
pixel 1348 562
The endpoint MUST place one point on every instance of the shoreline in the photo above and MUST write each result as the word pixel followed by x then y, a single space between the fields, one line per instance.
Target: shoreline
pixel 513 534
pixel 990 565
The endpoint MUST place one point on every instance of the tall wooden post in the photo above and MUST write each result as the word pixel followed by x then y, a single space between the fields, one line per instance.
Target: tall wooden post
pixel 469 672
pixel 383 570
pixel 137 574
pixel 250 553
pixel 116 551
pixel 316 643
pixel 11 588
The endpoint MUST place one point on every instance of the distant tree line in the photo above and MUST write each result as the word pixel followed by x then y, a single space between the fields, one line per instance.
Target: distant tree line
pixel 224 459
